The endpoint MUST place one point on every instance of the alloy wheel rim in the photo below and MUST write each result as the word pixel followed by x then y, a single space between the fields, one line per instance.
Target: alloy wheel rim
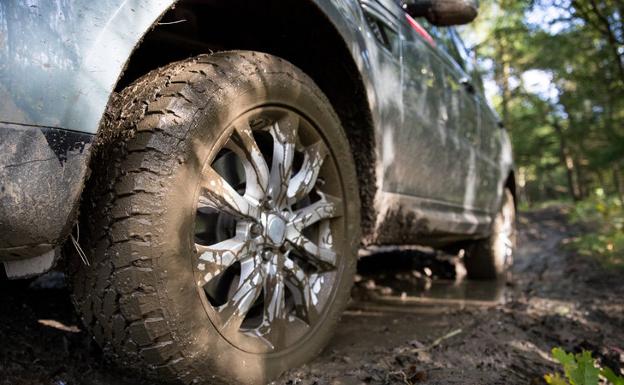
pixel 265 281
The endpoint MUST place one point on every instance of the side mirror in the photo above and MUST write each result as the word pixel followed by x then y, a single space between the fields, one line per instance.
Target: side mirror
pixel 443 12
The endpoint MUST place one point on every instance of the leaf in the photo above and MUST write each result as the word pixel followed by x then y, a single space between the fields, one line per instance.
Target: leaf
pixel 613 378
pixel 580 369
pixel 585 372
pixel 554 379
pixel 564 358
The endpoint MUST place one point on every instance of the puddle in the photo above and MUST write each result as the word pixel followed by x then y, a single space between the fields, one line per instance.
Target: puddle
pixel 404 279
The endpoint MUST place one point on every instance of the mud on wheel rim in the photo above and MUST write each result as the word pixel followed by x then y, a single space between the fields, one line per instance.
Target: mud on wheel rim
pixel 269 230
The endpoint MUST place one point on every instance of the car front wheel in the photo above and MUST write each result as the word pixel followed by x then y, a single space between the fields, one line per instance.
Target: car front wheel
pixel 222 226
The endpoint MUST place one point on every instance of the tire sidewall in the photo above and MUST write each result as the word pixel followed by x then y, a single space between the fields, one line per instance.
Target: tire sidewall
pixel 191 328
pixel 487 258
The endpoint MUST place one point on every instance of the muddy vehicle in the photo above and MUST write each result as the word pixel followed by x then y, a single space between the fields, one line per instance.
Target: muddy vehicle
pixel 206 171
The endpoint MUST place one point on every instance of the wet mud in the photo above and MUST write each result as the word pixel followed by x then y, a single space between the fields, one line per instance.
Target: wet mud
pixel 413 320
pixel 416 321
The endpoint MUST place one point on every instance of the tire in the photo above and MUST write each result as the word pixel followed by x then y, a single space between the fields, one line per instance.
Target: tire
pixel 491 258
pixel 206 263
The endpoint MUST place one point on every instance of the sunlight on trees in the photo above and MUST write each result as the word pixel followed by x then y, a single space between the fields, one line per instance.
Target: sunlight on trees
pixel 557 70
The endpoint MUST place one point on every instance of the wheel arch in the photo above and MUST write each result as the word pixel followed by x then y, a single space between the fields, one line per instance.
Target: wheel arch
pixel 322 39
pixel 510 183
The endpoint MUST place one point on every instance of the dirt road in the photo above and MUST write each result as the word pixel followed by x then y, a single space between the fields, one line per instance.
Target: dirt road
pixel 554 299
pixel 402 328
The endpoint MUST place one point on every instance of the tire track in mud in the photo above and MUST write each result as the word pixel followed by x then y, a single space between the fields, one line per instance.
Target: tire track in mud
pixel 554 299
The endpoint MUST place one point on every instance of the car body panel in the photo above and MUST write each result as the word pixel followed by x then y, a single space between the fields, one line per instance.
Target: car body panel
pixel 60 61
pixel 435 183
pixel 42 171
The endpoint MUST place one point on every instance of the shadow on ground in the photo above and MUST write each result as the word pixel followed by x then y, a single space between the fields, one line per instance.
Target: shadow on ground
pixel 405 328
pixel 42 341
pixel 413 320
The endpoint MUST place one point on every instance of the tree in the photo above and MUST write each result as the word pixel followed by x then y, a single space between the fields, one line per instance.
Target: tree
pixel 570 139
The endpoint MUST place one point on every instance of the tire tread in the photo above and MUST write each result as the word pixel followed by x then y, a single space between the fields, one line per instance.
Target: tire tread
pixel 140 145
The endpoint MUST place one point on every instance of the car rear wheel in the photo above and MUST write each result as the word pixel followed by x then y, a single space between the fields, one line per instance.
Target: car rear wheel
pixel 223 225
pixel 491 258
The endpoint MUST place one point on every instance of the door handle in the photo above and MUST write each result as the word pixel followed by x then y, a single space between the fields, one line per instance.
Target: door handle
pixel 468 86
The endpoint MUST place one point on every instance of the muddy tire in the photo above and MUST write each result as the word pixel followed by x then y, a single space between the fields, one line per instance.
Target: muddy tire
pixel 491 258
pixel 222 222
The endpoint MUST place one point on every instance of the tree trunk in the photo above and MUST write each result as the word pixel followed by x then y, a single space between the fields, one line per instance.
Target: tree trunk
pixel 567 162
pixel 502 71
pixel 602 25
pixel 580 180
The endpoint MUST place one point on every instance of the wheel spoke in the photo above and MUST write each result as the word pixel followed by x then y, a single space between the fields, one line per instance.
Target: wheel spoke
pixel 270 271
pixel 274 294
pixel 305 299
pixel 273 326
pixel 322 255
pixel 250 284
pixel 326 208
pixel 302 183
pixel 214 259
pixel 325 235
pixel 284 133
pixel 256 168
pixel 217 193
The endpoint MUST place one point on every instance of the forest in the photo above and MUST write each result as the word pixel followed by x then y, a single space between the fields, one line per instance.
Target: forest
pixel 191 192
pixel 555 72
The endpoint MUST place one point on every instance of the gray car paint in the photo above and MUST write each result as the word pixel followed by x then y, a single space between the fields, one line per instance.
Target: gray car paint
pixel 60 61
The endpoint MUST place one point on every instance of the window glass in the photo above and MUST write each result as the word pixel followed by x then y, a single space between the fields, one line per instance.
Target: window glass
pixel 388 37
pixel 445 39
pixel 392 39
pixel 470 60
pixel 375 27
pixel 463 53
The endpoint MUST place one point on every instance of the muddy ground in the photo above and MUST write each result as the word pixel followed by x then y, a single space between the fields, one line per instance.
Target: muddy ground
pixel 411 321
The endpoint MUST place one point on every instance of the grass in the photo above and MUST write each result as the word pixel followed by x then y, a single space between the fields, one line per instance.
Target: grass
pixel 581 369
pixel 603 220
pixel 524 206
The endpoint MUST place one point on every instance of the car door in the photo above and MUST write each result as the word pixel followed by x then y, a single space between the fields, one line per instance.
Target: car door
pixel 430 152
pixel 429 126
pixel 385 57
pixel 479 126
pixel 465 122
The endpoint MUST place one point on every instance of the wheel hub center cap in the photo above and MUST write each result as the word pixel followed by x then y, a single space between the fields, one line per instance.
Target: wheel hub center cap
pixel 275 229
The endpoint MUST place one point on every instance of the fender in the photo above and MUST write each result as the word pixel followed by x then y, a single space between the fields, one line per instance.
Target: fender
pixel 61 65
pixel 61 60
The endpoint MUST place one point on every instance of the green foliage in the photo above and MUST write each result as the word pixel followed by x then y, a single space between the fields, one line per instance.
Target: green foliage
pixel 608 374
pixel 555 379
pixel 568 132
pixel 603 219
pixel 580 369
pixel 525 206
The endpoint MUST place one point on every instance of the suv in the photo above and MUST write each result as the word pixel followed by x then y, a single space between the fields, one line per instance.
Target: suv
pixel 210 168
